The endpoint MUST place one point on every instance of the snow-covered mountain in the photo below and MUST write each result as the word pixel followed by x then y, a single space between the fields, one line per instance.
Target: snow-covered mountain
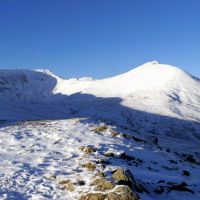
pixel 154 110
pixel 153 91
pixel 152 87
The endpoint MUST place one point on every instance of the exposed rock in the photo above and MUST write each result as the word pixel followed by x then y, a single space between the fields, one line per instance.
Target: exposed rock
pixel 120 193
pixel 67 184
pixel 51 176
pixel 126 178
pixel 128 136
pixel 114 133
pixel 125 135
pixel 119 175
pixel 183 187
pixel 100 129
pixel 159 190
pixel 87 149
pixel 169 168
pixel 161 181
pixel 171 183
pixel 80 182
pixel 186 173
pixel 173 161
pixel 125 156
pixel 101 184
pixel 154 140
pixel 190 158
pixel 100 174
pixel 168 150
pixel 134 184
pixel 102 161
pixel 93 196
pixel 109 154
pixel 139 140
pixel 90 166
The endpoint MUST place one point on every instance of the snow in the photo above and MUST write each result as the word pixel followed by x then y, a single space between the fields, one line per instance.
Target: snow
pixel 151 86
pixel 45 119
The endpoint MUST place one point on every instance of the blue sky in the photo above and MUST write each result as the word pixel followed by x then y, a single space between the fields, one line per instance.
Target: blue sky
pixel 99 38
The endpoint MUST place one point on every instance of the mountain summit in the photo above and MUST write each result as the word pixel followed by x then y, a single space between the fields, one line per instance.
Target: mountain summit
pixel 153 87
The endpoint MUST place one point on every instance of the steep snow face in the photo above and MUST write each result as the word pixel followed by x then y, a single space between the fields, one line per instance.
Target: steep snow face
pixel 26 85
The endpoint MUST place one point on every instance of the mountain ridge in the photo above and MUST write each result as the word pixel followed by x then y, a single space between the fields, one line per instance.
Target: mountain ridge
pixel 153 87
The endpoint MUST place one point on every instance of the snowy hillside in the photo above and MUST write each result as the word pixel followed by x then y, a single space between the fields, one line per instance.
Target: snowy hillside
pixel 57 136
pixel 152 87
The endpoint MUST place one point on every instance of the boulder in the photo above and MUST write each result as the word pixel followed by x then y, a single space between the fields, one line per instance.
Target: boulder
pixel 125 177
pixel 90 166
pixel 101 184
pixel 67 184
pixel 87 149
pixel 100 129
pixel 120 193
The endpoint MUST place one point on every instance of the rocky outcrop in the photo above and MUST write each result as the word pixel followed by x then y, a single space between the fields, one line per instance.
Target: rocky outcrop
pixel 120 193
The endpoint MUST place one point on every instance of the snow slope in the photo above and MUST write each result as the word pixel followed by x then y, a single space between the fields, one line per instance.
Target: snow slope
pixel 150 87
pixel 37 155
pixel 154 108
pixel 153 87
pixel 26 85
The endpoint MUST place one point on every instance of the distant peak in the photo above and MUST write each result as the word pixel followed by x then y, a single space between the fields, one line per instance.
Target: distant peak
pixel 153 74
pixel 45 71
